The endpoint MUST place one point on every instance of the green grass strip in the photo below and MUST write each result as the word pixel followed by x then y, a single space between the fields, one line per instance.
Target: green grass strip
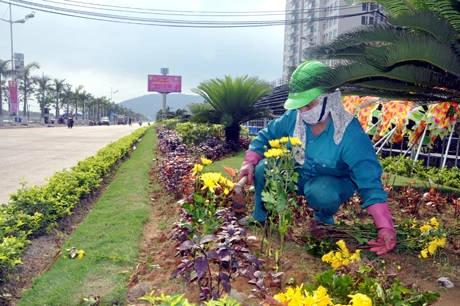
pixel 110 236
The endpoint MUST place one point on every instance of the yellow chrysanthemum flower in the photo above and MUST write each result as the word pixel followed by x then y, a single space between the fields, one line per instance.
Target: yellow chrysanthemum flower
pixel 206 161
pixel 295 141
pixel 341 244
pixel 425 228
pixel 360 299
pixel 81 253
pixel 296 296
pixel 342 257
pixel 424 253
pixel 284 140
pixel 434 244
pixel 197 168
pixel 210 180
pixel 274 152
pixel 321 297
pixel 434 222
pixel 275 143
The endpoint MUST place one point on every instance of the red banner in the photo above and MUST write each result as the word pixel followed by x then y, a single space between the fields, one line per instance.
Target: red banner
pixel 13 86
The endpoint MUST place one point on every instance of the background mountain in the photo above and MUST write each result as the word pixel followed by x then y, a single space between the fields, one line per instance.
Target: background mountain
pixel 149 105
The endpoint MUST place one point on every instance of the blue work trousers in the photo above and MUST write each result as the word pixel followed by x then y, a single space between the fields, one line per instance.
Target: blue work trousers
pixel 323 193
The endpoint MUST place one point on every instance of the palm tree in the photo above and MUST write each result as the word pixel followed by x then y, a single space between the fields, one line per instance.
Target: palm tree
pixel 27 84
pixel 415 56
pixel 78 95
pixel 3 72
pixel 203 113
pixel 68 94
pixel 233 100
pixel 44 88
pixel 58 89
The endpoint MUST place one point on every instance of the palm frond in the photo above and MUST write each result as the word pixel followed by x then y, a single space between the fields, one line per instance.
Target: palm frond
pixel 422 48
pixel 411 79
pixel 449 9
pixel 427 22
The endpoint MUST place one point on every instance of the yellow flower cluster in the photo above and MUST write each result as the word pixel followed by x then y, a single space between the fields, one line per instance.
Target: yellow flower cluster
pixel 215 180
pixel 435 243
pixel 212 180
pixel 343 257
pixel 197 168
pixel 206 161
pixel 360 299
pixel 432 246
pixel 278 146
pixel 298 297
pixel 432 224
pixel 276 152
pixel 276 143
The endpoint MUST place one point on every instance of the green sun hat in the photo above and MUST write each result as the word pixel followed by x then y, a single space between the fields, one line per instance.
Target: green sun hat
pixel 304 84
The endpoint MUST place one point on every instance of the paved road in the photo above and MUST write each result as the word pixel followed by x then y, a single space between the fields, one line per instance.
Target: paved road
pixel 34 154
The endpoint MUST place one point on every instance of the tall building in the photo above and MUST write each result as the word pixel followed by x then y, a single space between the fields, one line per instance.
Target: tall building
pixel 311 23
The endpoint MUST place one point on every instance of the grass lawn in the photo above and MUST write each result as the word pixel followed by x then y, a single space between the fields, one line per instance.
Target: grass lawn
pixel 110 236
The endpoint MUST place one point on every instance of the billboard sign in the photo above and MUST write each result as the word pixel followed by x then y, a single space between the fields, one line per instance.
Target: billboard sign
pixel 164 83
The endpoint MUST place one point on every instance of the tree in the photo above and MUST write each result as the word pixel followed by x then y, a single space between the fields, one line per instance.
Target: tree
pixel 415 56
pixel 43 92
pixel 233 102
pixel 27 84
pixel 58 88
pixel 3 72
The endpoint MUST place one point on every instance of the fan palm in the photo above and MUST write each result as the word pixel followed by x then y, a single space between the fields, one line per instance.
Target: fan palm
pixel 232 101
pixel 415 56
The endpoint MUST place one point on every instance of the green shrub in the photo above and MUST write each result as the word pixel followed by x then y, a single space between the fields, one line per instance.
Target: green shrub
pixel 195 133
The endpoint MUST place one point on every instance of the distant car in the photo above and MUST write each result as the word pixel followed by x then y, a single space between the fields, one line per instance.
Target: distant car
pixel 105 121
pixel 121 121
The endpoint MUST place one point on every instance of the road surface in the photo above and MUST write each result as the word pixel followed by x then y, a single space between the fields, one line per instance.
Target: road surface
pixel 33 154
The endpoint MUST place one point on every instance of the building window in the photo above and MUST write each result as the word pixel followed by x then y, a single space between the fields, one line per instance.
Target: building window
pixel 365 8
pixel 363 20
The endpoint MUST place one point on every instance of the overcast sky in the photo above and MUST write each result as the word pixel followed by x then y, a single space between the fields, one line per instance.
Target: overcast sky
pixel 113 59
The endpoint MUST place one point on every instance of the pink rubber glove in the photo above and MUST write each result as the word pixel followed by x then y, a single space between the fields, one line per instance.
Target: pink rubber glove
pixel 247 168
pixel 386 240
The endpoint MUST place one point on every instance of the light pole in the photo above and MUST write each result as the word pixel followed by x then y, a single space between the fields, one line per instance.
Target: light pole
pixel 11 21
pixel 112 92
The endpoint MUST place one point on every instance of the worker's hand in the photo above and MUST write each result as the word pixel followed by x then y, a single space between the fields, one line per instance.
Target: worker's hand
pixel 386 241
pixel 251 159
pixel 248 171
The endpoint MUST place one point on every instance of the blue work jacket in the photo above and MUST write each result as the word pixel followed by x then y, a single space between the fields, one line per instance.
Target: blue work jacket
pixel 354 157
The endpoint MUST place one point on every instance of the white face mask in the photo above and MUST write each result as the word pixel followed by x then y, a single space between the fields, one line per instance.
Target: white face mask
pixel 312 116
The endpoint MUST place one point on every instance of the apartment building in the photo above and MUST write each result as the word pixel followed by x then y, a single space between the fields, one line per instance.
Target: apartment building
pixel 311 23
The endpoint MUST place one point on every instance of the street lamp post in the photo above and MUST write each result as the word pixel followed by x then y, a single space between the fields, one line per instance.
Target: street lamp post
pixel 112 92
pixel 11 21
